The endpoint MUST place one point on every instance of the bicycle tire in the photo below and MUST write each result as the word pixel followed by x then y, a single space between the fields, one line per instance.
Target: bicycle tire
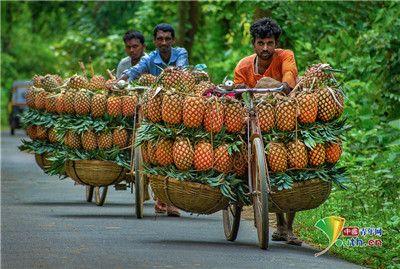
pixel 231 225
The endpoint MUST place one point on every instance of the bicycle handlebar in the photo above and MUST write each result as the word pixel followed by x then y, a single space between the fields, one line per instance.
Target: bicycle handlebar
pixel 222 91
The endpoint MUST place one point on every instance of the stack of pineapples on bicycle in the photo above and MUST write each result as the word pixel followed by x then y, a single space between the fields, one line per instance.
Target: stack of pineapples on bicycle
pixel 79 118
pixel 190 136
pixel 303 131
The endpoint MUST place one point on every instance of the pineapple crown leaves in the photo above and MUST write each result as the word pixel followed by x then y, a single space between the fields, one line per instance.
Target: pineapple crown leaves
pixel 36 117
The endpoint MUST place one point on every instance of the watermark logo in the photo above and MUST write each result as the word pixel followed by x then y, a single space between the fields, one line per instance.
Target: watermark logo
pixel 351 236
pixel 332 227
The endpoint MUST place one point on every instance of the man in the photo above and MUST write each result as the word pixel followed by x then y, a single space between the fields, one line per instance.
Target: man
pixel 134 48
pixel 279 67
pixel 165 55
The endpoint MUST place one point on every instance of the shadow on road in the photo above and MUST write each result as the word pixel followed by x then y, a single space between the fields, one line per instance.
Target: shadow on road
pixel 80 204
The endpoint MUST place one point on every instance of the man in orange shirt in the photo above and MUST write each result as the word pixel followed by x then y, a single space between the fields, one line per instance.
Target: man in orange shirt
pixel 279 66
pixel 268 60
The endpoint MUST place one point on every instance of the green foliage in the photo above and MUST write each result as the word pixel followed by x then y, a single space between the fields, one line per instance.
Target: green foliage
pixel 359 37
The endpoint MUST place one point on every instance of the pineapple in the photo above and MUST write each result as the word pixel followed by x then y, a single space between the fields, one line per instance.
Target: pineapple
pixel 41 133
pixel 30 97
pixel 171 110
pixel 339 103
pixel 308 107
pixel 266 115
pixel 49 83
pixel 277 157
pixel 317 75
pixel 60 103
pixel 99 105
pixel 316 156
pixel 286 114
pixel 193 111
pixel 37 81
pixel 114 106
pixel 223 161
pixel 82 102
pixel 50 103
pixel 234 115
pixel 147 80
pixel 31 131
pixel 326 104
pixel 69 102
pixel 120 137
pixel 145 155
pixel 164 152
pixel 200 76
pixel 203 158
pixel 182 153
pixel 332 152
pixel 105 140
pixel 97 82
pixel 297 154
pixel 202 87
pixel 170 78
pixel 40 99
pixel 152 106
pixel 72 140
pixel 129 103
pixel 77 82
pixel 214 115
pixel 151 152
pixel 89 140
pixel 240 162
pixel 188 82
pixel 52 136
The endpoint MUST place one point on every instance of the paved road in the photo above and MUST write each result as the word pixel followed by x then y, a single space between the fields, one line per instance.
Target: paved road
pixel 45 223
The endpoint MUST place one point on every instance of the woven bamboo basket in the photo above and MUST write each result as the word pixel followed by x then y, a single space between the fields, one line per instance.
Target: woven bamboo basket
pixel 42 162
pixel 95 173
pixel 188 196
pixel 303 196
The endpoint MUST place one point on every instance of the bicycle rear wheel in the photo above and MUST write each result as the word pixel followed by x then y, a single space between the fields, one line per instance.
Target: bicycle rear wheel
pixel 231 220
pixel 89 193
pixel 139 184
pixel 260 199
pixel 100 194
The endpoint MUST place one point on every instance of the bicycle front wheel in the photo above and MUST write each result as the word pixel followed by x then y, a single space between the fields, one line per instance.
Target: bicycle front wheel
pixel 231 220
pixel 139 184
pixel 260 199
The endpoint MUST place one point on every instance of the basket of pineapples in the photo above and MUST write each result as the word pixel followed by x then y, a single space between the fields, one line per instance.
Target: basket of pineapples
pixel 85 125
pixel 191 145
pixel 303 134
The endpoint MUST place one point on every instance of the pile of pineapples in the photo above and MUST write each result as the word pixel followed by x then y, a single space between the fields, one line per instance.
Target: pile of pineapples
pixel 189 136
pixel 79 118
pixel 303 131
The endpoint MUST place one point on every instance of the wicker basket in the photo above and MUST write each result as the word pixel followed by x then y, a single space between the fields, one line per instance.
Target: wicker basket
pixel 42 162
pixel 188 196
pixel 94 172
pixel 303 196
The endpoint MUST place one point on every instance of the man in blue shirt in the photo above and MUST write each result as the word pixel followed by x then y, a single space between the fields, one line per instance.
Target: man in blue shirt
pixel 165 55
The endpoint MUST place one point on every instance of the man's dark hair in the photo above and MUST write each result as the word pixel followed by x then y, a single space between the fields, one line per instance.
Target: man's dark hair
pixel 265 27
pixel 131 34
pixel 165 27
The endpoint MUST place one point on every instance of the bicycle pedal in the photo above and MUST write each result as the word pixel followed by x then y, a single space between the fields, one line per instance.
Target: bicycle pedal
pixel 120 187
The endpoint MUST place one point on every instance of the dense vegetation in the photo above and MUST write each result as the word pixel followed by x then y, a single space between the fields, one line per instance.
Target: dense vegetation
pixel 361 38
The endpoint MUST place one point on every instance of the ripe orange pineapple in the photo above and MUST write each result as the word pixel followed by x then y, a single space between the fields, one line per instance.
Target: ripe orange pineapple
pixel 114 106
pixel 326 104
pixel 105 140
pixel 277 157
pixel 182 153
pixel 187 82
pixel 234 116
pixel 332 152
pixel 30 97
pixel 151 152
pixel 164 152
pixel 339 103
pixel 99 105
pixel 266 114
pixel 170 78
pixel 129 103
pixel 317 75
pixel 72 140
pixel 240 162
pixel 50 103
pixel 171 109
pixel 97 82
pixel 49 83
pixel 223 161
pixel 297 154
pixel 77 82
pixel 52 135
pixel 41 133
pixel 308 107
pixel 152 106
pixel 286 114
pixel 89 140
pixel 214 115
pixel 316 156
pixel 60 103
pixel 203 158
pixel 40 99
pixel 69 102
pixel 82 102
pixel 193 111
pixel 31 131
pixel 120 137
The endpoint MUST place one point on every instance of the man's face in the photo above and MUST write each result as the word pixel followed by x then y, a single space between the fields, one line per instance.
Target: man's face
pixel 264 47
pixel 134 48
pixel 164 41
